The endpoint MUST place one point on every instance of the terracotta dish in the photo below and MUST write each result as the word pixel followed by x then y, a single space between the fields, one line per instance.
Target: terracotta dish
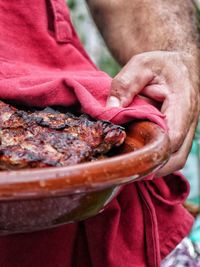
pixel 37 199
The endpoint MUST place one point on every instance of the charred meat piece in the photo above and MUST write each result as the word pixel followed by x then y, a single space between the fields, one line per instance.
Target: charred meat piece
pixel 42 138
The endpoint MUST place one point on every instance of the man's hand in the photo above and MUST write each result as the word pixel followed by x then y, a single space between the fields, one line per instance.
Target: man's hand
pixel 166 78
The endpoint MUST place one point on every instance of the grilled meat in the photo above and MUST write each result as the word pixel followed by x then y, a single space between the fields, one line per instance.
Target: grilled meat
pixel 41 138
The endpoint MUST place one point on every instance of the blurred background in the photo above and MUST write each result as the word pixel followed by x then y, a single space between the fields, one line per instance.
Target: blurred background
pixel 189 253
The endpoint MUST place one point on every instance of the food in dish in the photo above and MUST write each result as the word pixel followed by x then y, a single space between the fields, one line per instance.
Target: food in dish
pixel 48 137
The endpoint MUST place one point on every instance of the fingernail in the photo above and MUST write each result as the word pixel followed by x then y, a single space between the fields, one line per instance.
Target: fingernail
pixel 113 102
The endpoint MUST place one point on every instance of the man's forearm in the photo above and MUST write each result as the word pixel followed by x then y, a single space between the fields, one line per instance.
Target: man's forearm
pixel 135 26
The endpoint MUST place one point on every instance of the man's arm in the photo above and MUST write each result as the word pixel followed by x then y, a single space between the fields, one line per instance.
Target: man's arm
pixel 134 26
pixel 158 44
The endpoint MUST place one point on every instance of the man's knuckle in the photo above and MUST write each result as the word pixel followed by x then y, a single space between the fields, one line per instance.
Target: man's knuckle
pixel 181 162
pixel 137 79
pixel 177 141
pixel 120 82
pixel 180 159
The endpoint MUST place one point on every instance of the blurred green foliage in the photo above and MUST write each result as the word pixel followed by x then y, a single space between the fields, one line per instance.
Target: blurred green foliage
pixel 71 4
pixel 86 30
pixel 109 65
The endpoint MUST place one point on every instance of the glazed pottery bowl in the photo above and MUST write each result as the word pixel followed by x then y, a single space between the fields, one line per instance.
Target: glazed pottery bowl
pixel 36 199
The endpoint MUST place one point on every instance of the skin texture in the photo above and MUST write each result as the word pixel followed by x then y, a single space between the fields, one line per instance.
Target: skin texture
pixel 157 43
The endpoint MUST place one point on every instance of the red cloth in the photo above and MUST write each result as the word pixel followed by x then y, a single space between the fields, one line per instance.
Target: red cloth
pixel 42 63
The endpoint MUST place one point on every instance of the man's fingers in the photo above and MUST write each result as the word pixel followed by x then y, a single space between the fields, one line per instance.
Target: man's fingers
pixel 178 118
pixel 157 92
pixel 178 159
pixel 129 82
pixel 113 102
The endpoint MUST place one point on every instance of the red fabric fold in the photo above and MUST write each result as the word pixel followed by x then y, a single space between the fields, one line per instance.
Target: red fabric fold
pixel 168 190
pixel 42 63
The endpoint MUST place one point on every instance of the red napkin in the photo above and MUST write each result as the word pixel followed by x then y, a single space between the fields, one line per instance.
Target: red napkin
pixel 42 63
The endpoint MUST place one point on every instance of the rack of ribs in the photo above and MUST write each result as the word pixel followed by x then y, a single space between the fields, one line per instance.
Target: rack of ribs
pixel 48 137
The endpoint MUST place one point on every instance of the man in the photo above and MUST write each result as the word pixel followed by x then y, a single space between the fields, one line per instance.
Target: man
pixel 43 63
pixel 157 42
